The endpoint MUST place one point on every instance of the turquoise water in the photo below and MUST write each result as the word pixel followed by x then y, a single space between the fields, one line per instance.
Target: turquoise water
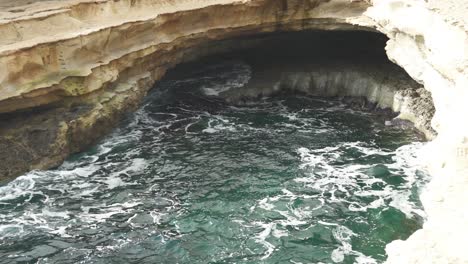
pixel 191 179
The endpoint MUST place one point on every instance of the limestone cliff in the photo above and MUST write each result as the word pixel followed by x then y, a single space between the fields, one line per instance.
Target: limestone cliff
pixel 429 39
pixel 70 69
pixel 95 60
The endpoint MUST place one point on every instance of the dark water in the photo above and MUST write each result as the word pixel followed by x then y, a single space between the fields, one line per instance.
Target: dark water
pixel 190 179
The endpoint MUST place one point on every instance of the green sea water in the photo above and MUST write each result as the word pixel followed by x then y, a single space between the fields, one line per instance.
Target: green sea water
pixel 189 178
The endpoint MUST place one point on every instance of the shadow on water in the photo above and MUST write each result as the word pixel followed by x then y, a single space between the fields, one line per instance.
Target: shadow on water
pixel 190 178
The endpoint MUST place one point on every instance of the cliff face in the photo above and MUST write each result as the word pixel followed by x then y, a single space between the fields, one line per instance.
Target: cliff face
pixel 430 41
pixel 78 49
pixel 94 60
pixel 70 69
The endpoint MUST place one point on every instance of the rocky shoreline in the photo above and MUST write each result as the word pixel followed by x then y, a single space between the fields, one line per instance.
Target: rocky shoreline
pixel 43 137
pixel 71 69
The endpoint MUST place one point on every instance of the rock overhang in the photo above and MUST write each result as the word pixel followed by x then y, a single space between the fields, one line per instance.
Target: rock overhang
pixel 105 55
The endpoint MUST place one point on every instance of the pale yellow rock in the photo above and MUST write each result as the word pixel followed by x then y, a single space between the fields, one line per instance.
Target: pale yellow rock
pixel 97 40
pixel 99 50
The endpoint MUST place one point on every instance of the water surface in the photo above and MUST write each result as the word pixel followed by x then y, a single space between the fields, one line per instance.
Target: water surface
pixel 191 179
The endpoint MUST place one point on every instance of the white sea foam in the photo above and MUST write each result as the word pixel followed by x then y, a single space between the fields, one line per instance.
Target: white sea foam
pixel 262 236
pixel 101 172
pixel 84 171
pixel 11 230
pixel 47 213
pixel 238 76
pixel 322 175
pixel 106 212
pixel 21 186
pixel 217 123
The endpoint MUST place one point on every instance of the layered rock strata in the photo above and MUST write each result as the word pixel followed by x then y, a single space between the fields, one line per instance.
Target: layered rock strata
pixel 94 53
pixel 70 69
pixel 104 55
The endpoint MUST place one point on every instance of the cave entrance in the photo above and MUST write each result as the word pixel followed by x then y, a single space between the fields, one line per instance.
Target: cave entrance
pixel 253 154
pixel 351 65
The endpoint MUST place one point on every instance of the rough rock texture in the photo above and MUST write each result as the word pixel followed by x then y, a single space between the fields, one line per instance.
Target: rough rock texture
pixel 93 42
pixel 71 53
pixel 416 105
pixel 430 41
pixel 69 70
pixel 109 49
pixel 339 79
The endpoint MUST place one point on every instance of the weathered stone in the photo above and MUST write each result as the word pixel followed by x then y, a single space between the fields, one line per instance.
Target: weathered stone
pixel 70 69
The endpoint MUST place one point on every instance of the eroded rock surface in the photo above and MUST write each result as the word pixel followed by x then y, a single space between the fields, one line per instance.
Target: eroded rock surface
pixel 70 69
pixel 69 53
pixel 429 39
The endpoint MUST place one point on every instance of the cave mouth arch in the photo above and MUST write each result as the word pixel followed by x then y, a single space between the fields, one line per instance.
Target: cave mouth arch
pixel 315 63
pixel 355 64
pixel 342 63
pixel 347 63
